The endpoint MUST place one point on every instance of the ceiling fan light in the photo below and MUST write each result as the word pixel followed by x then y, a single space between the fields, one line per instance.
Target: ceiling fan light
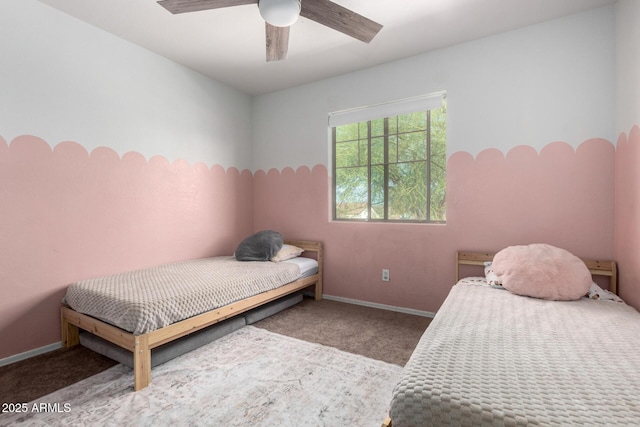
pixel 279 13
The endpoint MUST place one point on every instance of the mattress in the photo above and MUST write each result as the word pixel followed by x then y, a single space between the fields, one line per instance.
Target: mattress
pixel 490 357
pixel 308 266
pixel 144 300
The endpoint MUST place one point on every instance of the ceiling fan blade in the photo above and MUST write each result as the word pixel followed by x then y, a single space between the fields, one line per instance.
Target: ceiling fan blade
pixel 341 19
pixel 182 6
pixel 277 42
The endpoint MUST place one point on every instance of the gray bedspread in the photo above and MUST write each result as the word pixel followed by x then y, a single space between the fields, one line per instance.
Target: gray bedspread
pixel 144 300
pixel 490 357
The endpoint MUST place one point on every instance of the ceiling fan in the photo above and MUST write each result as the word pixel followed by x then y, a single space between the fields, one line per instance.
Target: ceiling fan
pixel 279 15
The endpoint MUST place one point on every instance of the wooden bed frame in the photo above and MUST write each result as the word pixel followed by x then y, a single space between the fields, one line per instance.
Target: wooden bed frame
pixel 141 345
pixel 596 267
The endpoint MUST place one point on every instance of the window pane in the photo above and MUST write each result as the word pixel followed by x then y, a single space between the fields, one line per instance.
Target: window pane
pixel 438 188
pixel 347 132
pixel 393 125
pixel 364 153
pixel 412 122
pixel 412 146
pixel 438 199
pixel 408 191
pixel 393 149
pixel 438 164
pixel 377 127
pixel 351 193
pixel 377 151
pixel 364 130
pixel 377 192
pixel 347 154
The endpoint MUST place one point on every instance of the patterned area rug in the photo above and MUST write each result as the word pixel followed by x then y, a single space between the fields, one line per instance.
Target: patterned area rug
pixel 251 377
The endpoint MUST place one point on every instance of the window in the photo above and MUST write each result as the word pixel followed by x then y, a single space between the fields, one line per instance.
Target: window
pixel 391 168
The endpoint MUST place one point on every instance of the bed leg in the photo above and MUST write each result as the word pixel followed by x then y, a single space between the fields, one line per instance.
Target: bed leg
pixel 141 363
pixel 387 422
pixel 70 333
pixel 318 290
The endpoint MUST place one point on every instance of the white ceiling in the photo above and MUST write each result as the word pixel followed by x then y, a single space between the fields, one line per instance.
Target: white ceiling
pixel 229 44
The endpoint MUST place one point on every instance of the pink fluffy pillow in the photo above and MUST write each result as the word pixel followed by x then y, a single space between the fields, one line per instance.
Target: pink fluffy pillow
pixel 542 271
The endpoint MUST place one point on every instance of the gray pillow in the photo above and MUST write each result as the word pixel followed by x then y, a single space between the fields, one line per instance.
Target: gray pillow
pixel 261 246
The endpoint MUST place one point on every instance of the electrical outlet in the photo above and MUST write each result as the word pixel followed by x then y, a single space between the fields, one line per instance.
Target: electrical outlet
pixel 385 275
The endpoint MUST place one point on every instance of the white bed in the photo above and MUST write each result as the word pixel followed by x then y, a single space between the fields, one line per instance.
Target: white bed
pixel 491 357
pixel 142 310
pixel 145 300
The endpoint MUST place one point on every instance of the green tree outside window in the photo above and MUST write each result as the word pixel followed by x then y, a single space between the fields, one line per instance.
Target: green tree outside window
pixel 391 169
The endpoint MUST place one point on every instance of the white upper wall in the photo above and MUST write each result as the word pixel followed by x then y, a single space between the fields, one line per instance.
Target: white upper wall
pixel 549 82
pixel 627 65
pixel 64 80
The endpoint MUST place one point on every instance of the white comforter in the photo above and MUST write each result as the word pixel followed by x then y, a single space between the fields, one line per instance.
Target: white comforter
pixel 144 300
pixel 490 357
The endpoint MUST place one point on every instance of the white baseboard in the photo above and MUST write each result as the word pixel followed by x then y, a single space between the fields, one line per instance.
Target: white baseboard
pixel 31 353
pixel 381 306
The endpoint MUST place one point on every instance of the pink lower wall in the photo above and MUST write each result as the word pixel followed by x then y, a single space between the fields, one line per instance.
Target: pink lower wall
pixel 67 214
pixel 560 196
pixel 627 216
